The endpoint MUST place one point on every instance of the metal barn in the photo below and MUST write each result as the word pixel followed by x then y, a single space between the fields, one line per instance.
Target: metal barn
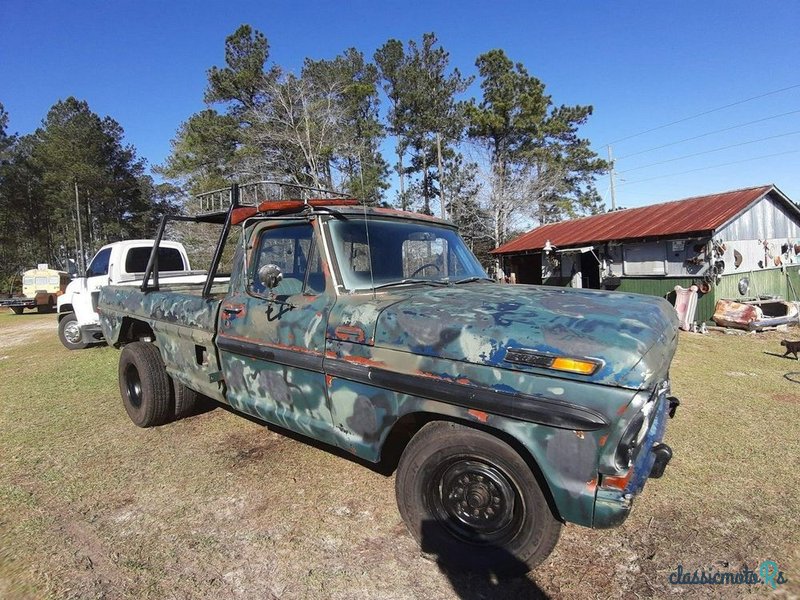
pixel 741 244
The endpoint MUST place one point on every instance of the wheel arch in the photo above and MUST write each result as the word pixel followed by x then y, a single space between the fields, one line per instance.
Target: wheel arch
pixel 408 425
pixel 64 310
pixel 133 330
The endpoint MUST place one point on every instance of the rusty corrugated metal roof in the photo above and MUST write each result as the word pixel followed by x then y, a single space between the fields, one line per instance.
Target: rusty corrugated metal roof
pixel 690 215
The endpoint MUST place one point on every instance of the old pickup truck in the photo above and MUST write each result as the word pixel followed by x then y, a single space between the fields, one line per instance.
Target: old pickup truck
pixel 513 408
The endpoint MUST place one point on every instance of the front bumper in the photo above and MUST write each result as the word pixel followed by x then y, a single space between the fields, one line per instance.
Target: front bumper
pixel 612 506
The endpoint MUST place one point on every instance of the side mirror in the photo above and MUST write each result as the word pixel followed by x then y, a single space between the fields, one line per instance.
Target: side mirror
pixel 270 275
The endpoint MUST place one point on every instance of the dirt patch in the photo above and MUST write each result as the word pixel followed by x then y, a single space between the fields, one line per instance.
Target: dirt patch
pixel 22 329
pixel 788 398
pixel 245 450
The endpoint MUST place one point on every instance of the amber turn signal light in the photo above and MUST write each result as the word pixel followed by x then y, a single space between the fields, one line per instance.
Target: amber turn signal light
pixel 574 365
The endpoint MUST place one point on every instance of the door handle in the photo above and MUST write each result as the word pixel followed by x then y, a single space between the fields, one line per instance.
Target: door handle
pixel 232 310
pixel 349 333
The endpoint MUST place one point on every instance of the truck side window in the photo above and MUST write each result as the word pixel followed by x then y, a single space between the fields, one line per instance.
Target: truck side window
pixel 292 248
pixel 315 281
pixel 99 264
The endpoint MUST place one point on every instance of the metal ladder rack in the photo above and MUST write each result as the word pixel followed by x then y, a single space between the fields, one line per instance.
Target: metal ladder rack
pixel 256 192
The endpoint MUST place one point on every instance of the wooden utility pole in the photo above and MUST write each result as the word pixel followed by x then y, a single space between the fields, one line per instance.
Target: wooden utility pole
pixel 81 255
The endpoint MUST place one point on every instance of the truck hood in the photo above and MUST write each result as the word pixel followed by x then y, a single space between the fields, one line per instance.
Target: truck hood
pixel 76 286
pixel 634 336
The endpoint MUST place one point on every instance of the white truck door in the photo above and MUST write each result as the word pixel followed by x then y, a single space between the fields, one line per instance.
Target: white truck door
pixel 85 305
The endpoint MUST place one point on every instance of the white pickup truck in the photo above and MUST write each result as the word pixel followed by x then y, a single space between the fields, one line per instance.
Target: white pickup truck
pixel 119 263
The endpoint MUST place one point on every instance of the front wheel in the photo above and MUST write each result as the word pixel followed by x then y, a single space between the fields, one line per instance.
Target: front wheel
pixel 145 386
pixel 69 332
pixel 470 499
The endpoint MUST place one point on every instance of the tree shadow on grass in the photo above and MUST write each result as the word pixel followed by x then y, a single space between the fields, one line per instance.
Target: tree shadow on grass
pixel 480 583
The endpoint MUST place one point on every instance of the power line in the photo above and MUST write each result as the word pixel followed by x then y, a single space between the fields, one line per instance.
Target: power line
pixel 696 137
pixel 662 162
pixel 736 162
pixel 707 112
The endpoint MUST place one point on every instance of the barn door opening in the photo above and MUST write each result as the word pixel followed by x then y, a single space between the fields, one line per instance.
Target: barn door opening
pixel 590 271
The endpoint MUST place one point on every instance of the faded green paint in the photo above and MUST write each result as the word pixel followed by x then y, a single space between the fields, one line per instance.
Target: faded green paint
pixel 665 288
pixel 310 361
pixel 773 282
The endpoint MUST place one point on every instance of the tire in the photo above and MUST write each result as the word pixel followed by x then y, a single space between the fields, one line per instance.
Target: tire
pixel 17 310
pixel 145 387
pixel 470 499
pixel 187 401
pixel 70 333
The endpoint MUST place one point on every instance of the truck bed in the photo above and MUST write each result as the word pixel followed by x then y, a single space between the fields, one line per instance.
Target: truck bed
pixel 173 305
pixel 182 322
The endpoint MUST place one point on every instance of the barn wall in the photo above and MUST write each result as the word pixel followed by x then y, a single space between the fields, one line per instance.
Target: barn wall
pixel 765 282
pixel 766 219
pixel 764 233
pixel 770 282
pixel 665 288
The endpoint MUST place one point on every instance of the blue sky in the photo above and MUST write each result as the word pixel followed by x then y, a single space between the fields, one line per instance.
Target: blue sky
pixel 640 64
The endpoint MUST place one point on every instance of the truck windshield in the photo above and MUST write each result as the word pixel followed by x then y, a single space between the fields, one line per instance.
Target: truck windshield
pixel 378 253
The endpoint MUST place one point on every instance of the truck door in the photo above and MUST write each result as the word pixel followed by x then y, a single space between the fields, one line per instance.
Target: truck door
pixel 272 343
pixel 84 301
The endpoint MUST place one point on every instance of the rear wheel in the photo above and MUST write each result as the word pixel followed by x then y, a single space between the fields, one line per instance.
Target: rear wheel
pixel 188 402
pixel 145 386
pixel 69 332
pixel 469 498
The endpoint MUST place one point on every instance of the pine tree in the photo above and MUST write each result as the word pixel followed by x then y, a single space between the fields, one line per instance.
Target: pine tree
pixel 538 163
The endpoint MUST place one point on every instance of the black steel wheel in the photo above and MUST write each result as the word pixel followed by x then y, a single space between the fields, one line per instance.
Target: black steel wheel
pixel 145 386
pixel 475 501
pixel 471 500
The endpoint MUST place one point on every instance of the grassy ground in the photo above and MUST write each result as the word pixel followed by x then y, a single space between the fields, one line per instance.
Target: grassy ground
pixel 93 507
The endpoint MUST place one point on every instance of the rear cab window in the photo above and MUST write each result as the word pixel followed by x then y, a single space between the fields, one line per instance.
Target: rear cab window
pixel 169 259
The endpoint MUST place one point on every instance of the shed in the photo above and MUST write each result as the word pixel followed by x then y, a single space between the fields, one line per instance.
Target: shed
pixel 741 244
